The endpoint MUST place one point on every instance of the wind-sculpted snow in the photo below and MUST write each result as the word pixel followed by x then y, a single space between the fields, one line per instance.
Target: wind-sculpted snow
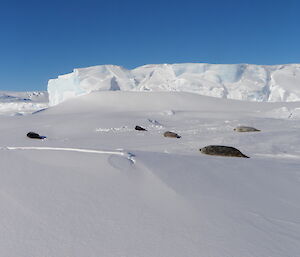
pixel 278 83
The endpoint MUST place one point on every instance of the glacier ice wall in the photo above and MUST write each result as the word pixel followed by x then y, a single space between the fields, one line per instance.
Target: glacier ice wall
pixel 235 81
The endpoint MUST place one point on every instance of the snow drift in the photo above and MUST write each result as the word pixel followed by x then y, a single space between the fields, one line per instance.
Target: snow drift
pixel 277 83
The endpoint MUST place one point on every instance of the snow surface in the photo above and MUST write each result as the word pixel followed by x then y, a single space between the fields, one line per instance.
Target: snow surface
pixel 96 187
pixel 277 83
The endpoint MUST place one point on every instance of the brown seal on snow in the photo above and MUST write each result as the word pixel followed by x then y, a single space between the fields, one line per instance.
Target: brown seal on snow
pixel 245 129
pixel 171 134
pixel 221 150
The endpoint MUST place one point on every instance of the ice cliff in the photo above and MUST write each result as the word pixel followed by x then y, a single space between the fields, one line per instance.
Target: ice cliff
pixel 235 81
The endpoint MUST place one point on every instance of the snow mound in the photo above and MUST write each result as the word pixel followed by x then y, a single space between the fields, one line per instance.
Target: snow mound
pixel 278 83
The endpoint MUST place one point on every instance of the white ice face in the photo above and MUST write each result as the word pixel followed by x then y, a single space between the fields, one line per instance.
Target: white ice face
pixel 234 81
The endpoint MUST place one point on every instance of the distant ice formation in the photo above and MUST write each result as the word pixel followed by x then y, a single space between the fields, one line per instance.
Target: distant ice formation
pixel 19 103
pixel 278 83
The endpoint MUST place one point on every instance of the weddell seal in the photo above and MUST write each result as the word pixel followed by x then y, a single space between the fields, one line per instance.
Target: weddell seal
pixel 245 129
pixel 140 128
pixel 171 134
pixel 222 150
pixel 35 135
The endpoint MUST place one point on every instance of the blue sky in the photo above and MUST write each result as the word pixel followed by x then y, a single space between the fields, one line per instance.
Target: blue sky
pixel 43 39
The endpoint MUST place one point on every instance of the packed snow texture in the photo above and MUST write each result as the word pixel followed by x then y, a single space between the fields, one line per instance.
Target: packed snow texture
pixel 277 83
pixel 97 187
pixel 20 103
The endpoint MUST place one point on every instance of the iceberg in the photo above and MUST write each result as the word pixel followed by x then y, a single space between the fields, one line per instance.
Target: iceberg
pixel 263 83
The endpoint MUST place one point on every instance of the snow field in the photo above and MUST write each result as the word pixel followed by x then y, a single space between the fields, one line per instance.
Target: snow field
pixel 66 196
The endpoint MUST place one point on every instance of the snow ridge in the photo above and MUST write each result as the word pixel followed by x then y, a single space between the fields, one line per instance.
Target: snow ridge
pixel 128 155
pixel 278 83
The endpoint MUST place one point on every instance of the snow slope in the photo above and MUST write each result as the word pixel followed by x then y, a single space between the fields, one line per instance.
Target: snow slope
pixel 97 187
pixel 19 103
pixel 234 81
